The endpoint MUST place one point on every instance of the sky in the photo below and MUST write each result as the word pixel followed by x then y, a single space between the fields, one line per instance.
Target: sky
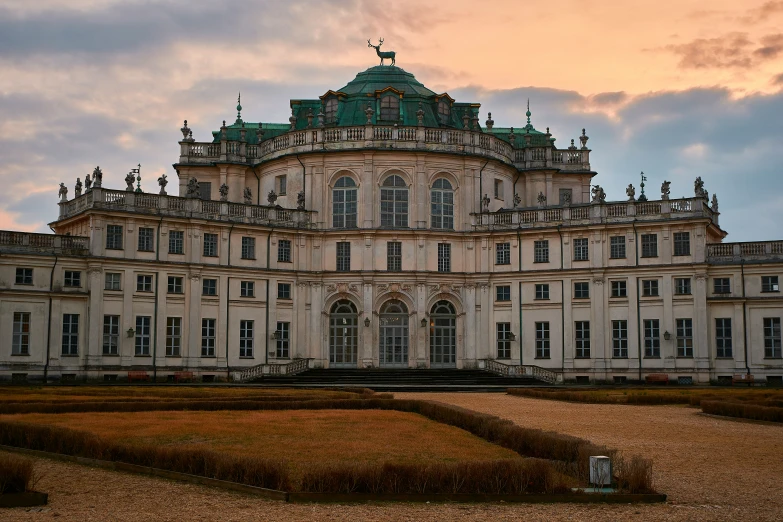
pixel 674 88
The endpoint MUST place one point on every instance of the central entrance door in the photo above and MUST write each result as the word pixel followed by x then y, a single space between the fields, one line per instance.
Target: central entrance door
pixel 443 335
pixel 394 335
pixel 343 335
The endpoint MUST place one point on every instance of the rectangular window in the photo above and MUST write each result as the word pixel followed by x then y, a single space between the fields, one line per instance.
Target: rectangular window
pixel 723 337
pixel 247 289
pixel 208 337
pixel 772 339
pixel 111 334
pixel 684 337
pixel 769 284
pixel 582 290
pixel 617 247
pixel 343 256
pixel 142 334
pixel 503 254
pixel 619 289
pixel 649 245
pixel 113 281
pixel 444 257
pixel 682 243
pixel 541 251
pixel 504 340
pixel 502 293
pixel 722 285
pixel 175 285
pixel 652 338
pixel 114 237
pixel 283 340
pixel 246 338
pixel 146 239
pixel 650 288
pixel 682 286
pixel 173 336
pixel 209 287
pixel 542 340
pixel 283 290
pixel 20 336
pixel 176 242
pixel 73 279
pixel 248 248
pixel 205 189
pixel 210 245
pixel 620 339
pixel 581 249
pixel 24 276
pixel 498 189
pixel 394 256
pixel 582 339
pixel 284 251
pixel 143 283
pixel 542 291
pixel 282 185
pixel 70 334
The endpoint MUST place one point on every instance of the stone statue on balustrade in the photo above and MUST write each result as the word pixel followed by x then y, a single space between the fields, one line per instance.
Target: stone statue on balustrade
pixel 271 197
pixel 248 196
pixel 485 203
pixel 129 179
pixel 63 192
pixel 193 189
pixel 599 196
pixel 517 200
pixel 300 200
pixel 97 177
pixel 698 188
pixel 87 184
pixel 714 206
pixel 223 192
pixel 541 199
pixel 77 191
pixel 665 190
pixel 630 191
pixel 162 181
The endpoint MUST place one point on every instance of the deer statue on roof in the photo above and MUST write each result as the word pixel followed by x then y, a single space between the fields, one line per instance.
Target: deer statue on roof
pixel 388 54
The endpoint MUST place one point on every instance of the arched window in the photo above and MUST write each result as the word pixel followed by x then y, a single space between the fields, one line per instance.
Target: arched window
pixel 443 335
pixel 393 334
pixel 344 203
pixel 390 108
pixel 442 205
pixel 330 111
pixel 394 202
pixel 343 334
pixel 444 110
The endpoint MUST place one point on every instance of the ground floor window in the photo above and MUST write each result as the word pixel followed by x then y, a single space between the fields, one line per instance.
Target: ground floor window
pixel 504 340
pixel 772 340
pixel 343 334
pixel 111 334
pixel 723 337
pixel 70 334
pixel 684 337
pixel 143 334
pixel 542 340
pixel 173 336
pixel 20 338
pixel 283 340
pixel 582 340
pixel 246 338
pixel 652 338
pixel 208 337
pixel 620 339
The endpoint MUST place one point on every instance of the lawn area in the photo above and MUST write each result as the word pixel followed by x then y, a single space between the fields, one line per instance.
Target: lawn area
pixel 301 437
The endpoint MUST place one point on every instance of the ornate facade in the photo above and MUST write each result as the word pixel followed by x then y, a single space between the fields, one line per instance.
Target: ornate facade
pixel 384 226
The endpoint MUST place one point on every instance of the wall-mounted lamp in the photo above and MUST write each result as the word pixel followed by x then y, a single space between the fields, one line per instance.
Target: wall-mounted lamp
pixel 512 336
pixel 367 322
pixel 276 335
pixel 130 332
pixel 667 335
pixel 424 323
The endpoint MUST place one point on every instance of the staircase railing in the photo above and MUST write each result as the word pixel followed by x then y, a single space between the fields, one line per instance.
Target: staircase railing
pixel 261 370
pixel 523 370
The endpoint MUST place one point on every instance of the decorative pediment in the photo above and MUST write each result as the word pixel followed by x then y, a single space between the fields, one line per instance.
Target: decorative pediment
pixel 389 89
pixel 342 288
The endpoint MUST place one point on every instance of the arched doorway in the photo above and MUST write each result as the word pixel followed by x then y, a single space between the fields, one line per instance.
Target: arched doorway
pixel 443 335
pixel 343 335
pixel 393 335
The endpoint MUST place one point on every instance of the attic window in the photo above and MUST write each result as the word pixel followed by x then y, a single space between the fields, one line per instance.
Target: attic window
pixel 444 110
pixel 331 110
pixel 390 108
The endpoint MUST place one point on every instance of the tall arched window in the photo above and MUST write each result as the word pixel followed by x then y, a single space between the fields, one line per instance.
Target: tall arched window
pixel 443 335
pixel 393 334
pixel 394 202
pixel 442 205
pixel 343 334
pixel 444 110
pixel 330 111
pixel 390 108
pixel 344 203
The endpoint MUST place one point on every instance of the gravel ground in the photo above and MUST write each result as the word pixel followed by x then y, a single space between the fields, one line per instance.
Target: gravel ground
pixel 712 469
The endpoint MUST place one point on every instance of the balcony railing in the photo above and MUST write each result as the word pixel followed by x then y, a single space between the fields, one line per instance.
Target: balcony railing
pixel 32 242
pixel 521 370
pixel 270 369
pixel 379 136
pixel 591 213
pixel 175 206
pixel 737 252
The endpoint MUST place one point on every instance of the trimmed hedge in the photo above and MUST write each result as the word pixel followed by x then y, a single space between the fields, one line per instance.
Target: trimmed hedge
pixel 16 474
pixel 743 410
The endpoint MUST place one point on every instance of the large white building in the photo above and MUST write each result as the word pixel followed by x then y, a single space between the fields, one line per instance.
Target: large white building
pixel 385 226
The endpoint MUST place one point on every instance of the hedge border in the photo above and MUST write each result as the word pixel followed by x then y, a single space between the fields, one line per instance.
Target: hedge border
pixel 26 499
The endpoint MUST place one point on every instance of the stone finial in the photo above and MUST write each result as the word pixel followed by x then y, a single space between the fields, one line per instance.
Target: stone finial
pixel 714 206
pixel 77 191
pixel 129 179
pixel 292 119
pixel 541 199
pixel 310 117
pixel 642 197
pixel 239 108
pixel 583 139
pixel 97 177
pixel 223 192
pixel 190 136
pixel 321 116
pixel 223 131
pixel 271 197
pixel 369 112
pixel 485 203
pixel 248 196
pixel 599 196
pixel 87 184
pixel 63 193
pixel 300 200
pixel 630 191
pixel 665 190
pixel 185 131
pixel 193 189
pixel 162 181
pixel 490 122
pixel 511 137
pixel 517 200
pixel 242 132
pixel 572 146
pixel 260 133
pixel 420 115
pixel 698 188
pixel 466 119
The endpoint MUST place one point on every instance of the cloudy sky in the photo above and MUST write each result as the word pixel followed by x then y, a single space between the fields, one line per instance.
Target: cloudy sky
pixel 674 88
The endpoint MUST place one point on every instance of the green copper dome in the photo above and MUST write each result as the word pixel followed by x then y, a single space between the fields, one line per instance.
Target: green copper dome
pixel 382 76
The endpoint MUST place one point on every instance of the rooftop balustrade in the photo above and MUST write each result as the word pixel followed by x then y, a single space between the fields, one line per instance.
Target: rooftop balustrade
pixel 174 206
pixel 732 253
pixel 26 242
pixel 386 137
